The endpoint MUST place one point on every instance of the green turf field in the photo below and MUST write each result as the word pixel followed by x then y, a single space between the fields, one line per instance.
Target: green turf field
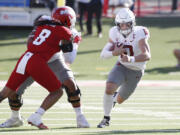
pixel 151 110
pixel 164 38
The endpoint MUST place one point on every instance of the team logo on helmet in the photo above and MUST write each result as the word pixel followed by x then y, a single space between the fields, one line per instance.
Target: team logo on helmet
pixel 64 15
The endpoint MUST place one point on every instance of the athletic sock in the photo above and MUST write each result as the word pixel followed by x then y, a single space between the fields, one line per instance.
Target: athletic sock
pixel 107 104
pixel 107 117
pixel 15 114
pixel 40 111
pixel 78 111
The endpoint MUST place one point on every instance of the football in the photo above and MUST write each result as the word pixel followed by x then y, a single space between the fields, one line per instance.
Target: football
pixel 112 47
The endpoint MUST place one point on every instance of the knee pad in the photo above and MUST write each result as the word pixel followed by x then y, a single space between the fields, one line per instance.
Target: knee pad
pixel 16 101
pixel 73 97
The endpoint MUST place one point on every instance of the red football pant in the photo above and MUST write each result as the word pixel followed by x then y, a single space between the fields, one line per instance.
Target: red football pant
pixel 38 69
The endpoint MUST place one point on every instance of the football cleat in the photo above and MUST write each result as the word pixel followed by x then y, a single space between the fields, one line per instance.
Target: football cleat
pixel 82 122
pixel 12 122
pixel 35 120
pixel 104 123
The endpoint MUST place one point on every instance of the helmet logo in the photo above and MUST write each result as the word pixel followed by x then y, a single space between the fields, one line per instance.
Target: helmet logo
pixel 63 12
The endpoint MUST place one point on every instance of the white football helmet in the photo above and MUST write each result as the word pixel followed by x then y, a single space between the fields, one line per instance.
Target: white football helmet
pixel 125 16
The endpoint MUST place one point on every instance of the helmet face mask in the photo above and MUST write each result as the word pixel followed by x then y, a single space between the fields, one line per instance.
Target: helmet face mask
pixel 64 15
pixel 125 21
pixel 125 28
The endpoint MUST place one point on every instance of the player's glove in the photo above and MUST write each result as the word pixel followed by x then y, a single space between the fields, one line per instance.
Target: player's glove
pixel 66 46
pixel 76 36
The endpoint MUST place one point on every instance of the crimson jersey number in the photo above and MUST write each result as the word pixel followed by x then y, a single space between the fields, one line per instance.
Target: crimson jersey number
pixel 129 50
pixel 45 33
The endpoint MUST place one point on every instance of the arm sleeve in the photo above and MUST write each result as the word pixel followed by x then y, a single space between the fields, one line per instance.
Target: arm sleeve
pixel 70 56
pixel 106 53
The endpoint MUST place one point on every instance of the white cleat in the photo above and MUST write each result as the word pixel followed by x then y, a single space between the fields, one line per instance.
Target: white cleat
pixel 12 122
pixel 82 122
pixel 35 120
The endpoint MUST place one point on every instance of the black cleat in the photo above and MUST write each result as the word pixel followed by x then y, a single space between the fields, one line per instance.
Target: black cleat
pixel 104 122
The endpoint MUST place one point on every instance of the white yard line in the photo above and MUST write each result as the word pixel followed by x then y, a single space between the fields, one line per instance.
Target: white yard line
pixel 126 110
pixel 136 97
pixel 99 119
pixel 98 131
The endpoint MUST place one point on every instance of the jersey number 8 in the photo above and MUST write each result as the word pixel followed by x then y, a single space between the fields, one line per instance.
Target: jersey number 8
pixel 42 37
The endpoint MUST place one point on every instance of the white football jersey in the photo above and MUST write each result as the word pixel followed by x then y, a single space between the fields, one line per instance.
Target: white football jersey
pixel 130 44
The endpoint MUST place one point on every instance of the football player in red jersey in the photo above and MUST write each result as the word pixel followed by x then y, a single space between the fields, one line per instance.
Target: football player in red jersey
pixel 33 62
pixel 57 63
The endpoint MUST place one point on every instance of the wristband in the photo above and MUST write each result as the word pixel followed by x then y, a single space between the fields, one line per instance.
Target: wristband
pixel 132 59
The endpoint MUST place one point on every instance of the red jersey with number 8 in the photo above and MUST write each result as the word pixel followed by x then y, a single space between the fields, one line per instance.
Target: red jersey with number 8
pixel 46 40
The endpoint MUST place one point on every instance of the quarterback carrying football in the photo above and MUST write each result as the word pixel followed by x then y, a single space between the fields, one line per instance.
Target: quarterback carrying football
pixel 130 44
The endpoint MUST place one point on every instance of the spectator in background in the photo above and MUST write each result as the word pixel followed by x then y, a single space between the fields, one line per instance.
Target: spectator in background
pixel 82 8
pixel 174 5
pixel 94 6
pixel 133 5
pixel 116 5
pixel 51 4
pixel 70 3
pixel 177 55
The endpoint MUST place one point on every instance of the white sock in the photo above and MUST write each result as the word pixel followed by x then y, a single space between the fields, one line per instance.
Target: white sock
pixel 40 111
pixel 107 104
pixel 15 114
pixel 78 111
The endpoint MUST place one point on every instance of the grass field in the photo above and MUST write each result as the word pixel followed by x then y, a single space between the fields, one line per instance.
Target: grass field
pixel 150 110
pixel 88 65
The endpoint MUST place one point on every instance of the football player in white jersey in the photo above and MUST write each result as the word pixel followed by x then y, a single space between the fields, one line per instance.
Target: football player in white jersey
pixel 130 44
pixel 59 64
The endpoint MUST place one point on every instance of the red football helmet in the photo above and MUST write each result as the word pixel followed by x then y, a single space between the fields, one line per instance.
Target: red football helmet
pixel 64 15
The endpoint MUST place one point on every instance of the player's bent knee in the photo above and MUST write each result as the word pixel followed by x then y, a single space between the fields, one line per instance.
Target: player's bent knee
pixel 109 92
pixel 110 88
pixel 73 96
pixel 59 92
pixel 70 84
pixel 15 101
pixel 6 92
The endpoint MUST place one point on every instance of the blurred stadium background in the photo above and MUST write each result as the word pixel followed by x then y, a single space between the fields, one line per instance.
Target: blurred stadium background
pixel 154 107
